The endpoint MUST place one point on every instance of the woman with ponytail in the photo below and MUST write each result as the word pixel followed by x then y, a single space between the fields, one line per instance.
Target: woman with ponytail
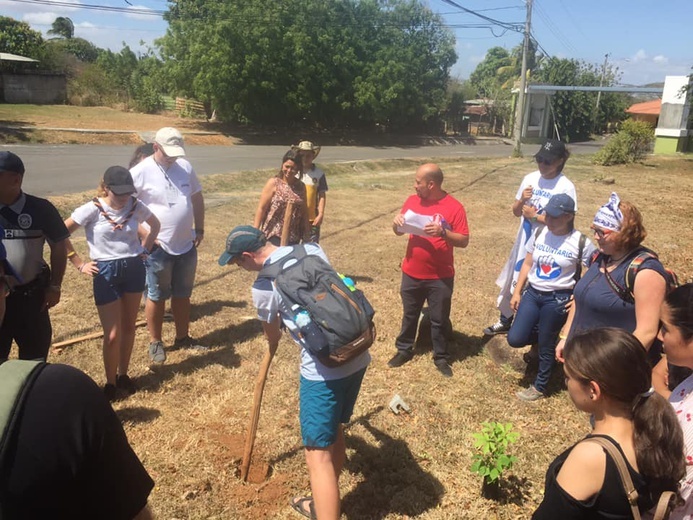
pixel 677 337
pixel 608 376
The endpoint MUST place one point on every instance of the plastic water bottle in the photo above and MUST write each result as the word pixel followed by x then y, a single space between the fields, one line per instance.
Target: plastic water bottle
pixel 315 339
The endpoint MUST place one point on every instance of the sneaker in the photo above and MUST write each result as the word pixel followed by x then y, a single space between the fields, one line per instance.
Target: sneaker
pixel 156 352
pixel 497 328
pixel 444 368
pixel 188 343
pixel 399 359
pixel 110 392
pixel 125 383
pixel 530 394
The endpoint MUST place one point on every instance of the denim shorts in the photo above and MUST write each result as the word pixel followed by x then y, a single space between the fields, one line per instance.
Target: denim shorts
pixel 125 275
pixel 325 404
pixel 170 275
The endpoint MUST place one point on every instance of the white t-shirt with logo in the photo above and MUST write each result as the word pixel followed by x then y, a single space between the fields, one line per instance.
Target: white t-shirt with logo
pixel 543 189
pixel 168 194
pixel 106 242
pixel 555 258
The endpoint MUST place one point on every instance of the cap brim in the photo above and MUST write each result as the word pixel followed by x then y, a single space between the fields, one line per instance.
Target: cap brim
pixel 173 151
pixel 122 190
pixel 226 257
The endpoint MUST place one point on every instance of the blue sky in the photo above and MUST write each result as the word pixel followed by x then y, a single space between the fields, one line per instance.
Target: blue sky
pixel 647 40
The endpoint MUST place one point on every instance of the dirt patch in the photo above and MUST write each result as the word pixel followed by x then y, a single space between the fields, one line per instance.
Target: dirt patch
pixel 22 123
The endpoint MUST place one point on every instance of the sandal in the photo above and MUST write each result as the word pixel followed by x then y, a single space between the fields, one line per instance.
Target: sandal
pixel 298 503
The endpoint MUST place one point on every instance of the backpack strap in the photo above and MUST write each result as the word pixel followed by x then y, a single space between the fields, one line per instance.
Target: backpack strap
pixel 634 267
pixel 623 472
pixel 581 250
pixel 16 377
pixel 620 291
pixel 663 505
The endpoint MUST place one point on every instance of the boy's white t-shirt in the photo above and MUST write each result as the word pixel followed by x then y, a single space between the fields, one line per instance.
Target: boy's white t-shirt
pixel 105 242
pixel 543 189
pixel 555 259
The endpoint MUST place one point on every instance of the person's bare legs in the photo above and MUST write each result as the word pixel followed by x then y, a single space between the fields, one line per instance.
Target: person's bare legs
pixel 109 315
pixel 324 467
pixel 154 313
pixel 180 307
pixel 129 307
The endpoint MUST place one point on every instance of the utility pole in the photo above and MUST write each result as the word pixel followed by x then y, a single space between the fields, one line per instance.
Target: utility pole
pixel 599 94
pixel 520 110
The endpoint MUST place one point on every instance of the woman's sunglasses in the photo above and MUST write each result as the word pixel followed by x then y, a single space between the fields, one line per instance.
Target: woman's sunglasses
pixel 543 161
pixel 601 233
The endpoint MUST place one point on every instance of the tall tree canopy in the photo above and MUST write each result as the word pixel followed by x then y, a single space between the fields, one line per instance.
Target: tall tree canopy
pixel 19 38
pixel 62 27
pixel 325 62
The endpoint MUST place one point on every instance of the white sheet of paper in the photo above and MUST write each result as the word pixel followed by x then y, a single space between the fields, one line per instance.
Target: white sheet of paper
pixel 414 223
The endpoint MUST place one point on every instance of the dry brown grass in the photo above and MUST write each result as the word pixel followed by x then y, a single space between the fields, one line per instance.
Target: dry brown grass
pixel 188 422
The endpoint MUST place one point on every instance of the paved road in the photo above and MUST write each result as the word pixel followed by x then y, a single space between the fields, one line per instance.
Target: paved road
pixel 60 169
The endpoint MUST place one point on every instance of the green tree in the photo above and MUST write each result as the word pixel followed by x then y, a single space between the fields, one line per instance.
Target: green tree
pixel 485 76
pixel 82 49
pixel 18 38
pixel 134 78
pixel 573 111
pixel 62 27
pixel 313 62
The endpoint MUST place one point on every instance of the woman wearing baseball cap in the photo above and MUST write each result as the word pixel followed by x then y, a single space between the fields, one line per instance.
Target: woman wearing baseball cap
pixel 117 267
pixel 553 263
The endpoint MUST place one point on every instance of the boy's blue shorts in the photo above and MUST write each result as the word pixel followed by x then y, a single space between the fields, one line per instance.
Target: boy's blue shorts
pixel 326 404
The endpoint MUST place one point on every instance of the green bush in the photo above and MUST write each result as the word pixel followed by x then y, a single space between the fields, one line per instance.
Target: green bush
pixel 630 144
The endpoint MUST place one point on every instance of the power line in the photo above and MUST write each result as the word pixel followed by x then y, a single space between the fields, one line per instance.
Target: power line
pixel 113 9
pixel 554 29
pixel 506 25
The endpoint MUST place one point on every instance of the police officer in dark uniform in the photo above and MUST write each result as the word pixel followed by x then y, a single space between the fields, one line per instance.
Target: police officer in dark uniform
pixel 29 222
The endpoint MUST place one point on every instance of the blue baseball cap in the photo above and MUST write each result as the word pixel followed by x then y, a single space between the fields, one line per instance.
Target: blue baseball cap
pixel 242 239
pixel 560 204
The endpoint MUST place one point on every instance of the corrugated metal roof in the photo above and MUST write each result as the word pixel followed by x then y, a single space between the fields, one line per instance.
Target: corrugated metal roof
pixel 6 56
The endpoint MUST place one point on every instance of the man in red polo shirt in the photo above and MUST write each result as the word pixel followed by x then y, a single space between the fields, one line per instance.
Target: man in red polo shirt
pixel 428 269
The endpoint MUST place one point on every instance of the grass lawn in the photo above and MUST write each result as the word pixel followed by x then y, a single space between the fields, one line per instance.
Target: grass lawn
pixel 189 421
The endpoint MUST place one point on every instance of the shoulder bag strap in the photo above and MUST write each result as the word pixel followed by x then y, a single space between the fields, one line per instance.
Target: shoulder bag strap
pixel 627 482
pixel 581 250
pixel 663 505
pixel 620 291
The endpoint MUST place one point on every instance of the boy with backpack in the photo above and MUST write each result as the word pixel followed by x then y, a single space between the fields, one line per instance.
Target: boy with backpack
pixel 330 376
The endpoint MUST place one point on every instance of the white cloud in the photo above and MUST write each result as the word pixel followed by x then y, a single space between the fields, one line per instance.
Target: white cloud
pixel 661 59
pixel 641 55
pixel 43 18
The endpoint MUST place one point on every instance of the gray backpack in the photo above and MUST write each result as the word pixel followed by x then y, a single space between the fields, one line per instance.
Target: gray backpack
pixel 342 312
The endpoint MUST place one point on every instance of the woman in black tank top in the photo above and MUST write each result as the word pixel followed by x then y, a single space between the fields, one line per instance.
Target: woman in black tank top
pixel 608 376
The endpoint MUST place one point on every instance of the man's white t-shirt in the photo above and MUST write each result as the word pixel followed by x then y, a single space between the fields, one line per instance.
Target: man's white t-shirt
pixel 168 194
pixel 106 242
pixel 555 259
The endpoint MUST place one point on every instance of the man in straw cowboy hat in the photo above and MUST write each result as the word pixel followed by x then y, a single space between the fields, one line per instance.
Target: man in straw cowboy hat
pixel 316 186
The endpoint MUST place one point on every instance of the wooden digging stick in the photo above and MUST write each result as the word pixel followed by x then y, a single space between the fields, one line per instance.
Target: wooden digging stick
pixel 94 335
pixel 262 374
